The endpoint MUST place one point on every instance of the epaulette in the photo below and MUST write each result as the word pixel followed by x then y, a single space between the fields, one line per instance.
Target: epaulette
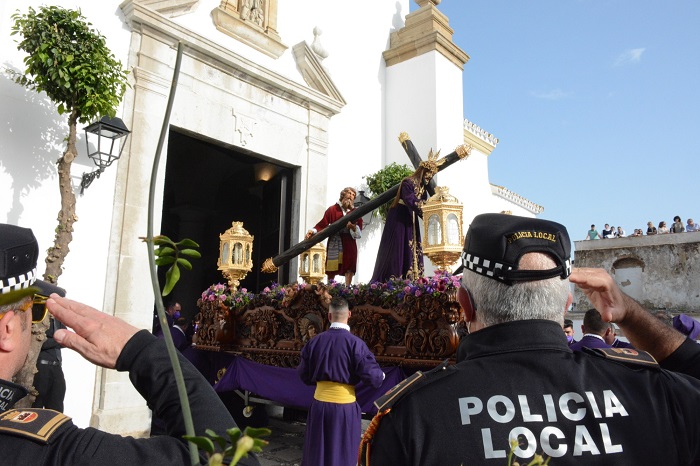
pixel 385 403
pixel 625 355
pixel 36 424
pixel 408 385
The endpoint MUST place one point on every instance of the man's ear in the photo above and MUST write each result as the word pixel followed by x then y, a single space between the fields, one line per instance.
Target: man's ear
pixel 465 300
pixel 8 325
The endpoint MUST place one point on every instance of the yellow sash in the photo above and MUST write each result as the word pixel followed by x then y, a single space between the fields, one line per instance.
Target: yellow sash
pixel 334 392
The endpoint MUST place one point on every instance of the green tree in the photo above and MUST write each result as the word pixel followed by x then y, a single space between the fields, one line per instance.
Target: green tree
pixel 69 61
pixel 385 179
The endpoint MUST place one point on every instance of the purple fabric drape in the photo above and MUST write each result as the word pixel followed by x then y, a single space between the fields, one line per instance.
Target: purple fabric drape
pixel 283 386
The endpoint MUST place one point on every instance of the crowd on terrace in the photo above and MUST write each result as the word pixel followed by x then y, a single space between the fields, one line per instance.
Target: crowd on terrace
pixel 676 227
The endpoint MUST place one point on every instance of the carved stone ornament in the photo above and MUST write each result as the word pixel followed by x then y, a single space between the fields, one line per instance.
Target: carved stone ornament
pixel 253 22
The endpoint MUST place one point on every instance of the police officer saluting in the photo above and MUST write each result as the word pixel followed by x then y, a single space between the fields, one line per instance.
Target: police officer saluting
pixel 522 389
pixel 35 437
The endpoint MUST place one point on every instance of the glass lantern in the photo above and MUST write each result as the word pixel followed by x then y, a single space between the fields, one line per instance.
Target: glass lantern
pixel 312 264
pixel 235 254
pixel 442 222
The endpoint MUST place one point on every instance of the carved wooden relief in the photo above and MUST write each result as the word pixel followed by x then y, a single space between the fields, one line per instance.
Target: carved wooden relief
pixel 419 331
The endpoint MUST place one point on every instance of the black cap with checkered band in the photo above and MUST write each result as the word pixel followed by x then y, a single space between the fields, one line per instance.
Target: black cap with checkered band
pixel 495 243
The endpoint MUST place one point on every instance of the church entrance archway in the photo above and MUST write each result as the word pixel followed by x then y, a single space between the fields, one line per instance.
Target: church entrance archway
pixel 209 185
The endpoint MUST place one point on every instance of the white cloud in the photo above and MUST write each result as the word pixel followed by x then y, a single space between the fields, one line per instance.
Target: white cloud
pixel 630 57
pixel 554 94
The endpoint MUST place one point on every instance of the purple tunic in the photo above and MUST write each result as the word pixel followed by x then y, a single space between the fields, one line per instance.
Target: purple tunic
pixel 333 430
pixel 395 256
pixel 589 342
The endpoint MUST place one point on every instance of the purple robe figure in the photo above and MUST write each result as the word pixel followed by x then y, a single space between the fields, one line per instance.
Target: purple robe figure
pixel 333 430
pixel 402 231
pixel 589 341
pixel 687 326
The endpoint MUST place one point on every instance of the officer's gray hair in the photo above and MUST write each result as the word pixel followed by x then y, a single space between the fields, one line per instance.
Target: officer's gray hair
pixel 17 306
pixel 497 302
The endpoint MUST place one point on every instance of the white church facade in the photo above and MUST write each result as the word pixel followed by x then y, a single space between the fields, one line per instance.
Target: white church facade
pixel 279 106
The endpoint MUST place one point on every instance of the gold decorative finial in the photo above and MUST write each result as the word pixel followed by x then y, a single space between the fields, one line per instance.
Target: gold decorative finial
pixel 464 150
pixel 268 266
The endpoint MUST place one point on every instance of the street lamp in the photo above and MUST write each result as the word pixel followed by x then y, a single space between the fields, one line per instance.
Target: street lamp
pixel 360 200
pixel 109 132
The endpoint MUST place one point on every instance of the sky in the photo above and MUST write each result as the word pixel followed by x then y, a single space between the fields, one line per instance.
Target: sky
pixel 596 104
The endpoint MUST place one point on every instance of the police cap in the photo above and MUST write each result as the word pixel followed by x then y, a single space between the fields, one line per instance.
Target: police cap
pixel 495 243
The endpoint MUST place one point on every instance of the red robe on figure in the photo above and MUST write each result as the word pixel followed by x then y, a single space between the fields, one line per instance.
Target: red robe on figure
pixel 341 252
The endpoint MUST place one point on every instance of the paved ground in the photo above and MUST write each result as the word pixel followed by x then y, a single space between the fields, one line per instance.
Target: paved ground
pixel 287 439
pixel 286 443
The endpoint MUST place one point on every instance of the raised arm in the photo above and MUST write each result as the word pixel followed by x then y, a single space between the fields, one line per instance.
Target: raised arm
pixel 644 331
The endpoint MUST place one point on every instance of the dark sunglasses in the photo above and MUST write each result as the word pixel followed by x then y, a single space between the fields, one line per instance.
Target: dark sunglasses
pixel 39 309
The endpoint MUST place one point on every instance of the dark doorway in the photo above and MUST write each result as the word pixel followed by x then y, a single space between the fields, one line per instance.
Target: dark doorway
pixel 209 185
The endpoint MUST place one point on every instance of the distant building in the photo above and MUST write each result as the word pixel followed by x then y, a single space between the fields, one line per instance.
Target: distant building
pixel 661 271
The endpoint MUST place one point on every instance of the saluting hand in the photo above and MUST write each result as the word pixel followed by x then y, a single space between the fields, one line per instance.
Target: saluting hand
pixel 602 292
pixel 96 336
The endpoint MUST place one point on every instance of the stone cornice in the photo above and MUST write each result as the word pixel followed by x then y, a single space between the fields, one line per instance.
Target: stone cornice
pixel 140 17
pixel 171 8
pixel 516 199
pixel 314 73
pixel 479 138
pixel 426 30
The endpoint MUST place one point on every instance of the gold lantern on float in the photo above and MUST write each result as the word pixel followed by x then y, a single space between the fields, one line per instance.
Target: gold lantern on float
pixel 442 224
pixel 235 254
pixel 312 263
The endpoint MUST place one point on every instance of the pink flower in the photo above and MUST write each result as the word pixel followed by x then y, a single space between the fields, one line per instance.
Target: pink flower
pixel 407 289
pixel 266 289
pixel 418 293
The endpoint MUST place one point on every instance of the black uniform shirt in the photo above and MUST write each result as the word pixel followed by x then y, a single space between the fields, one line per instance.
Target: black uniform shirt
pixel 55 440
pixel 521 380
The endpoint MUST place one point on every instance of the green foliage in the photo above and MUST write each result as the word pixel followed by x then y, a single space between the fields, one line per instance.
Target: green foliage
pixel 170 253
pixel 69 61
pixel 237 446
pixel 385 179
pixel 537 460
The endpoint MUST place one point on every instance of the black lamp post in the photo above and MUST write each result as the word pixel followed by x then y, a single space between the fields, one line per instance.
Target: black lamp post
pixel 109 132
pixel 360 200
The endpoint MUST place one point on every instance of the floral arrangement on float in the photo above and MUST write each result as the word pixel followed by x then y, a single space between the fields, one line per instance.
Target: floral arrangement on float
pixel 385 294
pixel 397 290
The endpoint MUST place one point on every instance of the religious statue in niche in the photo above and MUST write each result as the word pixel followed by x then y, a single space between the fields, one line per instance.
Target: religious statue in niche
pixel 252 10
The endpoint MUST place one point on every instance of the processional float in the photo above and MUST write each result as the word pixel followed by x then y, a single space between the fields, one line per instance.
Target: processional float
pixel 419 327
